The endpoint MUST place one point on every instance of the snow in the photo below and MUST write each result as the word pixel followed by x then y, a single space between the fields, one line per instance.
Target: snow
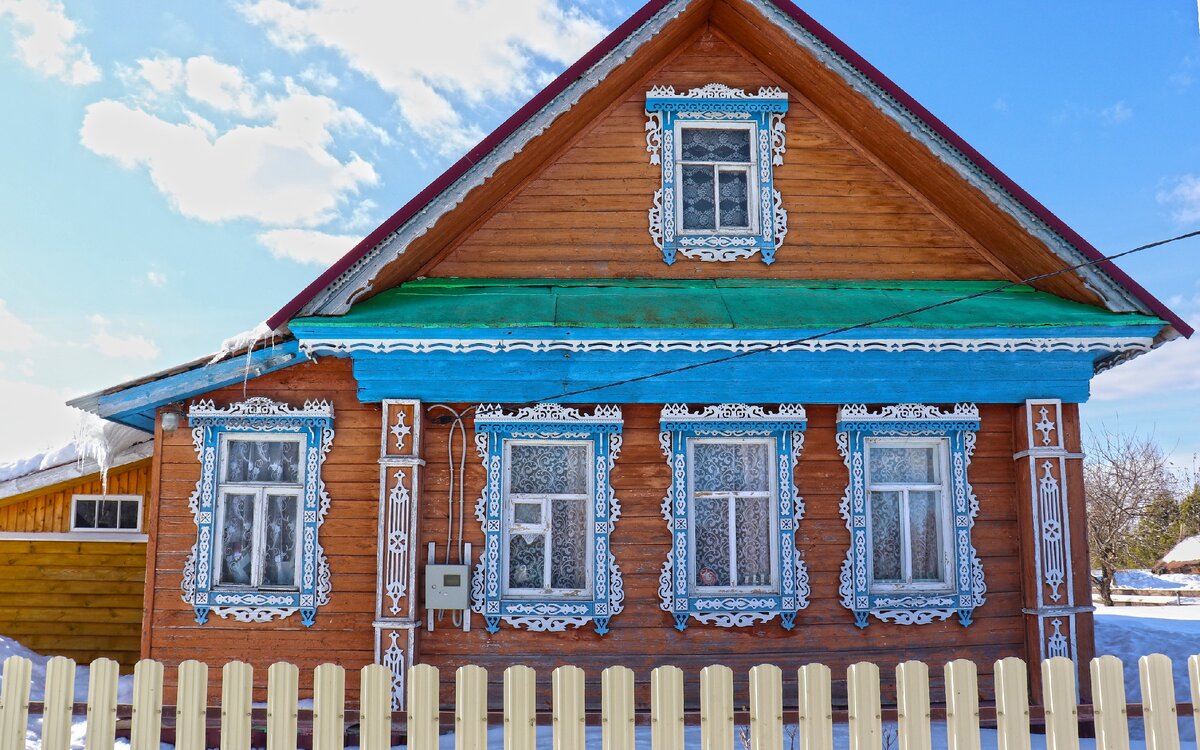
pixel 95 439
pixel 1186 551
pixel 242 342
pixel 1144 579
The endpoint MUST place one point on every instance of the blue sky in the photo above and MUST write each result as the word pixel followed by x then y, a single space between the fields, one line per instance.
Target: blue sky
pixel 174 172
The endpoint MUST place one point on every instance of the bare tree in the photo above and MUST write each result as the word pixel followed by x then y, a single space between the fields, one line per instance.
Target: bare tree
pixel 1123 474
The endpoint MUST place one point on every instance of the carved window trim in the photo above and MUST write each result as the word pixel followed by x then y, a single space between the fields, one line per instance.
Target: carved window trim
pixel 494 428
pixel 680 426
pixel 312 425
pixel 709 106
pixel 958 427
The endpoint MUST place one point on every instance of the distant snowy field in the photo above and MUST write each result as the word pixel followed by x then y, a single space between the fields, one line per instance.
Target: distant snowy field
pixel 1144 579
pixel 1125 632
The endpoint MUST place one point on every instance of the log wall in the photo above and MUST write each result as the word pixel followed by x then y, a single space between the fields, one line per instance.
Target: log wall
pixel 49 509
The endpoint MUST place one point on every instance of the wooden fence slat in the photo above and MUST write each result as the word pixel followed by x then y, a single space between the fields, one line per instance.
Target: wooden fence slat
pixel 716 708
pixel 766 707
pixel 568 716
pixel 617 712
pixel 962 705
pixel 329 707
pixel 1012 704
pixel 102 705
pixel 58 699
pixel 1061 705
pixel 145 732
pixel 1194 677
pixel 190 705
pixel 470 708
pixel 1159 713
pixel 912 706
pixel 283 695
pixel 866 721
pixel 520 708
pixel 423 708
pixel 14 700
pixel 816 707
pixel 1108 703
pixel 666 708
pixel 237 680
pixel 375 707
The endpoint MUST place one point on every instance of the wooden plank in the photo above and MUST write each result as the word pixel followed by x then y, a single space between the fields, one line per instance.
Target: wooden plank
pixel 58 702
pixel 766 707
pixel 568 715
pixel 146 722
pixel 283 682
pixel 666 708
pixel 716 708
pixel 912 706
pixel 236 680
pixel 520 708
pixel 101 705
pixel 375 708
pixel 815 707
pixel 191 703
pixel 962 705
pixel 1159 713
pixel 1108 703
pixel 14 700
pixel 1058 697
pixel 423 707
pixel 329 707
pixel 617 709
pixel 866 728
pixel 470 708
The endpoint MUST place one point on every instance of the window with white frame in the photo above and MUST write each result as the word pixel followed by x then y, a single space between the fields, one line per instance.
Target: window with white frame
pixel 732 510
pixel 907 482
pixel 106 513
pixel 717 147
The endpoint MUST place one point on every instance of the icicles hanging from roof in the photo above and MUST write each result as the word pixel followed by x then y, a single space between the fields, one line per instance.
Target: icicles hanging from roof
pixel 102 441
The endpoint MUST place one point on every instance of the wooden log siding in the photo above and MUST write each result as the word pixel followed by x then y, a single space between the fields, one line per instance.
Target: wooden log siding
pixel 642 637
pixel 49 509
pixel 584 215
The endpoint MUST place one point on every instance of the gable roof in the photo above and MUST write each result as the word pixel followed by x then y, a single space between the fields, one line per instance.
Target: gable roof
pixel 335 289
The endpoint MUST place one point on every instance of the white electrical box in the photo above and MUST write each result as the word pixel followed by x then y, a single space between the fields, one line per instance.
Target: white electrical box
pixel 447 587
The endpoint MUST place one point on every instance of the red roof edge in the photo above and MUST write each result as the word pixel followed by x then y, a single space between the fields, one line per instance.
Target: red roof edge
pixel 610 42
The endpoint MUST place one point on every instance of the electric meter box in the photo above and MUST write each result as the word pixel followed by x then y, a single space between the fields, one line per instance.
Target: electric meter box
pixel 446 587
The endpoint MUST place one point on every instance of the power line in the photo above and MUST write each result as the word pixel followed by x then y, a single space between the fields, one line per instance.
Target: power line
pixel 794 342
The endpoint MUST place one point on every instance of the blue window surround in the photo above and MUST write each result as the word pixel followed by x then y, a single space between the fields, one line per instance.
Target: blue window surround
pixel 855 424
pixel 786 426
pixel 715 102
pixel 255 416
pixel 602 428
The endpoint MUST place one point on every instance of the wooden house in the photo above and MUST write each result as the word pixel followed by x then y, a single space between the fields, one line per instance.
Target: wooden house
pixel 717 350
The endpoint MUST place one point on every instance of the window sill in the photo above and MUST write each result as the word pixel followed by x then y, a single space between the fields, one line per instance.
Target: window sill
pixel 74 536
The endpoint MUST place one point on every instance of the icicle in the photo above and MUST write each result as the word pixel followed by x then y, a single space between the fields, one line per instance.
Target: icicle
pixel 243 341
pixel 102 441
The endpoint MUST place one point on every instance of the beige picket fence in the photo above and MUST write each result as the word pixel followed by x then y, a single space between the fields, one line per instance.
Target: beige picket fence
pixel 766 730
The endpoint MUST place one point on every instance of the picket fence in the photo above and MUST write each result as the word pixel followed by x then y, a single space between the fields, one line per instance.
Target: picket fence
pixel 766 729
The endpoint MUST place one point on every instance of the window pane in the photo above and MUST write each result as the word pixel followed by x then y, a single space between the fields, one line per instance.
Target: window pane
pixel 716 144
pixel 731 467
pixel 129 514
pixel 526 561
pixel 528 513
pixel 712 541
pixel 923 510
pixel 898 465
pixel 85 514
pixel 106 517
pixel 237 539
pixel 699 211
pixel 752 518
pixel 568 527
pixel 276 461
pixel 735 201
pixel 885 535
pixel 549 469
pixel 279 540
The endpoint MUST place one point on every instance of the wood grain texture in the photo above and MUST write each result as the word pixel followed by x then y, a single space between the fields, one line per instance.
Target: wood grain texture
pixel 49 509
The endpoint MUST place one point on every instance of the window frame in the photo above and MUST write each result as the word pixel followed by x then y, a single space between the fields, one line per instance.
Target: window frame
pixel 750 168
pixel 138 499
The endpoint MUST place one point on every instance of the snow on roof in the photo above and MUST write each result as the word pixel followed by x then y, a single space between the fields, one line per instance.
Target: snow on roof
pixel 98 446
pixel 1186 551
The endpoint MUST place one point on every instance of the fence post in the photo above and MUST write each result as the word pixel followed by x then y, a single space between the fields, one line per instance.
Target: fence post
pixel 816 707
pixel 616 708
pixel 423 707
pixel 568 716
pixel 716 708
pixel 1012 704
pixel 58 700
pixel 470 708
pixel 1159 713
pixel 191 701
pixel 866 724
pixel 1108 703
pixel 1062 708
pixel 102 705
pixel 237 679
pixel 283 695
pixel 146 730
pixel 14 700
pixel 766 707
pixel 962 705
pixel 520 708
pixel 1194 676
pixel 666 708
pixel 329 707
pixel 375 707
pixel 912 706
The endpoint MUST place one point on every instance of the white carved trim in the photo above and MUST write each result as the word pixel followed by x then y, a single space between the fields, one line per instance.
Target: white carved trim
pixel 546 413
pixel 732 413
pixel 716 91
pixel 907 413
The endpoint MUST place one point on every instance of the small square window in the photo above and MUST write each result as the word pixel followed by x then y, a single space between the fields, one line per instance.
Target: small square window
pixel 106 513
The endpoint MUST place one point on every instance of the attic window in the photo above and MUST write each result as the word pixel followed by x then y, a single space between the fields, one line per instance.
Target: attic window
pixel 717 147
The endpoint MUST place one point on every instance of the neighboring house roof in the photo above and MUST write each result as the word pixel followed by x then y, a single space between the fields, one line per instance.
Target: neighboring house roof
pixel 332 292
pixel 65 464
pixel 1187 551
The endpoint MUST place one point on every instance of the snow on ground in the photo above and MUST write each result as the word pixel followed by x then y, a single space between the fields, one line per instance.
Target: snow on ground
pixel 1144 579
pixel 1186 551
pixel 1132 632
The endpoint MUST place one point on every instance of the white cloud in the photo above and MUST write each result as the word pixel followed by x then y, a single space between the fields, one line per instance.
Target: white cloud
pixel 117 346
pixel 1185 197
pixel 319 77
pixel 45 41
pixel 156 279
pixel 36 418
pixel 15 334
pixel 307 246
pixel 1172 368
pixel 222 87
pixel 1117 113
pixel 468 49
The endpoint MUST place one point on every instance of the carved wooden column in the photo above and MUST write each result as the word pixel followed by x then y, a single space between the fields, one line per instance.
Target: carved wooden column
pixel 1056 584
pixel 396 572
